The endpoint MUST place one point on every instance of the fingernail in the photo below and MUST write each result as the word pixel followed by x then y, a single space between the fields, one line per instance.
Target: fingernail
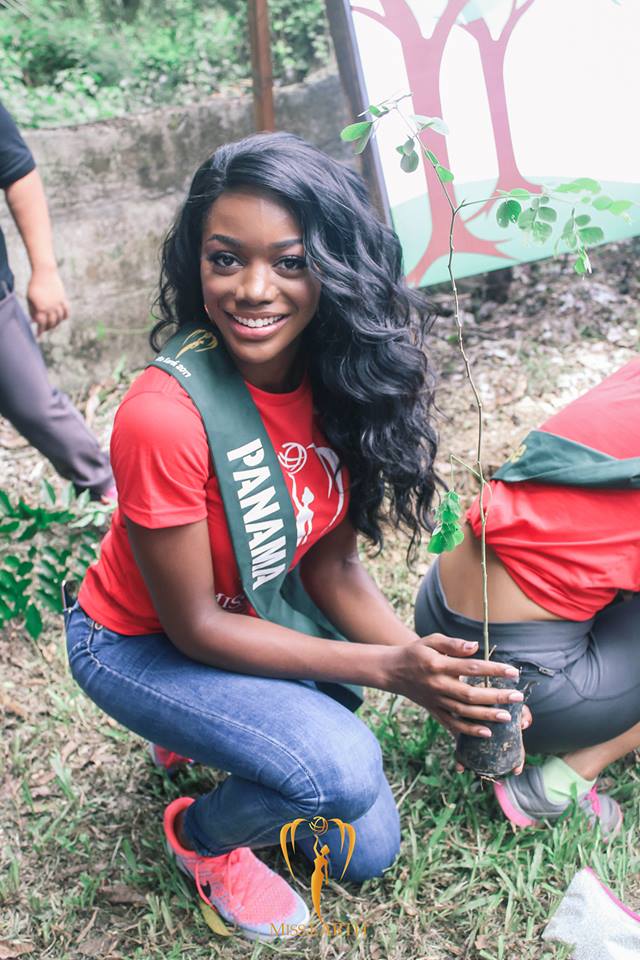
pixel 516 697
pixel 511 672
pixel 470 645
pixel 484 732
pixel 503 715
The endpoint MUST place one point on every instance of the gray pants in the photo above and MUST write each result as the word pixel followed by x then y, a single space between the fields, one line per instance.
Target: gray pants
pixel 43 414
pixel 586 673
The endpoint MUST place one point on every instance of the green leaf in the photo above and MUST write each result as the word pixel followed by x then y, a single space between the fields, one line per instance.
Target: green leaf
pixel 432 157
pixel 28 533
pixel 620 206
pixel 582 220
pixel 437 543
pixel 519 192
pixel 548 214
pixel 68 495
pixel 591 235
pixel 25 567
pixel 450 502
pixel 47 493
pixel 374 111
pixel 12 561
pixel 83 521
pixel 410 162
pixel 602 203
pixel 363 141
pixel 434 123
pixel 526 218
pixel 508 212
pixel 408 146
pixel 577 186
pixel 33 621
pixel 49 601
pixel 5 504
pixel 541 231
pixel 580 266
pixel 356 130
pixel 444 175
pixel 8 581
pixel 9 527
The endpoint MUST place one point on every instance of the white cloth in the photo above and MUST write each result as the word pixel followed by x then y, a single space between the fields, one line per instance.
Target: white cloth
pixel 592 919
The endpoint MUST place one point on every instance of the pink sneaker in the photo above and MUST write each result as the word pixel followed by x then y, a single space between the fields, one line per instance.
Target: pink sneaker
pixel 239 886
pixel 167 759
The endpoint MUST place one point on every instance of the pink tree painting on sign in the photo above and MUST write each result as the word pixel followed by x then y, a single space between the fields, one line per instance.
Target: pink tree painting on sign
pixel 535 96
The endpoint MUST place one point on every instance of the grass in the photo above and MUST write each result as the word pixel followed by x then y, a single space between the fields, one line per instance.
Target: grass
pixel 82 866
pixel 84 873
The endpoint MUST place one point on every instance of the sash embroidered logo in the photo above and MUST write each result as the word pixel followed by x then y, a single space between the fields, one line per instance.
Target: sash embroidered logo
pixel 518 453
pixel 198 340
pixel 267 550
pixel 320 876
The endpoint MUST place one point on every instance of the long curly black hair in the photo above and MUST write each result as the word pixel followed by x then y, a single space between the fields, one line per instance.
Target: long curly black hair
pixel 365 348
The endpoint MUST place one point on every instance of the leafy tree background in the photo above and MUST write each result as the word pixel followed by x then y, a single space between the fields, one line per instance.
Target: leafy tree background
pixel 83 60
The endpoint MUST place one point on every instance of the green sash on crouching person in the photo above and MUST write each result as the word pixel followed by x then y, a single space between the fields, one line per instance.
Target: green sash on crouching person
pixel 256 499
pixel 546 458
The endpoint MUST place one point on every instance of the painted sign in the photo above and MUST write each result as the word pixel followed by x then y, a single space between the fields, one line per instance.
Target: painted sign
pixel 534 92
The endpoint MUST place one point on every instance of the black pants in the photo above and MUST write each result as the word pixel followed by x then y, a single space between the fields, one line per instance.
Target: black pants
pixel 586 673
pixel 43 414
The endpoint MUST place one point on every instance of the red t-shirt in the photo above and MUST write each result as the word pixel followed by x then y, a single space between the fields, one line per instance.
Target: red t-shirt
pixel 570 549
pixel 165 478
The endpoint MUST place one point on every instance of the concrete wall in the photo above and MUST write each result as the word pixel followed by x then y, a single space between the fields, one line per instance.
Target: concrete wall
pixel 113 189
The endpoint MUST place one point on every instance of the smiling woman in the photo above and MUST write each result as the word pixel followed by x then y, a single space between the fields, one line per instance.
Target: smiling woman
pixel 287 413
pixel 257 290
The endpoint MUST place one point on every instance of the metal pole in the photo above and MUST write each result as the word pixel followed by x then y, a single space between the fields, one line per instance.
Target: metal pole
pixel 261 65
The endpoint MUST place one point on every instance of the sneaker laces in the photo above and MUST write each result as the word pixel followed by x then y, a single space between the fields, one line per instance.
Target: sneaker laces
pixel 225 875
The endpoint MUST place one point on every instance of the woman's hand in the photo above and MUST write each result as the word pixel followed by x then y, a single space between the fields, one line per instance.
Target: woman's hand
pixel 428 672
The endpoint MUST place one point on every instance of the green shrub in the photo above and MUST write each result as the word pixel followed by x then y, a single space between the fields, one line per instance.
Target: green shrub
pixel 41 546
pixel 72 62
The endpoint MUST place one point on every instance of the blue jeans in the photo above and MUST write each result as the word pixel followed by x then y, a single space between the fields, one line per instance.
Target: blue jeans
pixel 291 750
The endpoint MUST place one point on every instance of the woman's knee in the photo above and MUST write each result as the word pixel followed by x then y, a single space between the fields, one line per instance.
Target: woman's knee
pixel 346 773
pixel 375 859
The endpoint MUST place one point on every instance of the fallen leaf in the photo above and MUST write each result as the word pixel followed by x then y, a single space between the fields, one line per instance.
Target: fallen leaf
pixel 97 947
pixel 12 706
pixel 9 950
pixel 121 893
pixel 213 920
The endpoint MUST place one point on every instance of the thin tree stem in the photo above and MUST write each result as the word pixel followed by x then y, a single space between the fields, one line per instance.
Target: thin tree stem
pixel 478 472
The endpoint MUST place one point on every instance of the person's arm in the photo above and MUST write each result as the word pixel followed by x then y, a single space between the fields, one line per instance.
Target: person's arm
pixel 338 583
pixel 45 293
pixel 176 565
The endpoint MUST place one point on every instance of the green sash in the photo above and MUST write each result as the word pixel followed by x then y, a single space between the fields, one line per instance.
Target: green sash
pixel 547 458
pixel 256 500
